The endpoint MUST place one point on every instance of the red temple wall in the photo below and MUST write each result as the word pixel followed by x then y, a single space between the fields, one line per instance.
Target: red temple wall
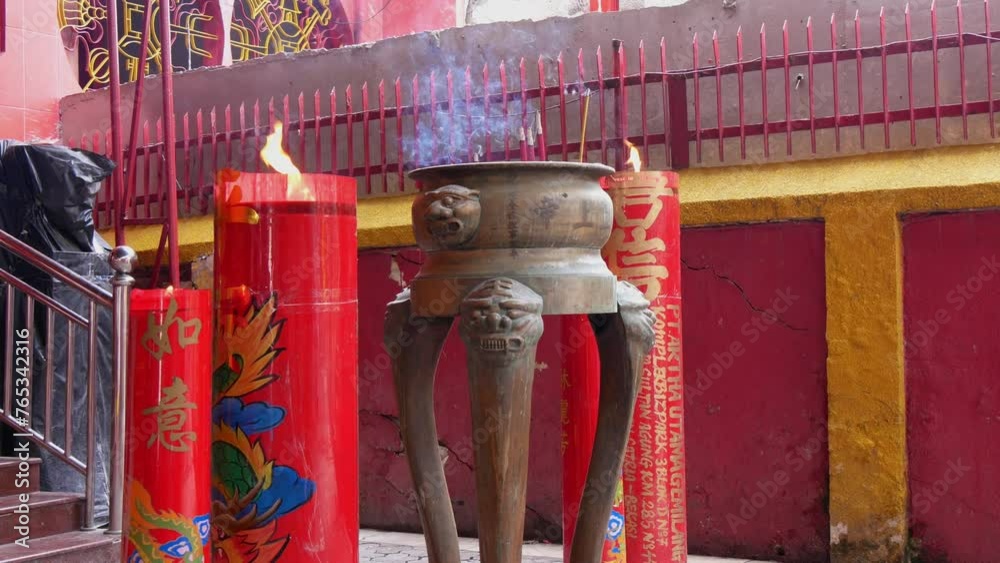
pixel 764 414
pixel 951 295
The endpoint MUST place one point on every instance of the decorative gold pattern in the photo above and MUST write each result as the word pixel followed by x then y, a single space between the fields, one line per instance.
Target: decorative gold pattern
pixel 196 37
pixel 266 27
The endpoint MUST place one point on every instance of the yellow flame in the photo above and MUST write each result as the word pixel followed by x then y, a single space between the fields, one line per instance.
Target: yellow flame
pixel 274 155
pixel 634 159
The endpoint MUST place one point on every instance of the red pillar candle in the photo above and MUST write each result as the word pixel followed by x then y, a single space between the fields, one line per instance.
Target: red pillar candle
pixel 285 417
pixel 168 458
pixel 581 388
pixel 645 250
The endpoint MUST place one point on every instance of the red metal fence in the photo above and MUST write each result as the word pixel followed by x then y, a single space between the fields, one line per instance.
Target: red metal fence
pixel 819 101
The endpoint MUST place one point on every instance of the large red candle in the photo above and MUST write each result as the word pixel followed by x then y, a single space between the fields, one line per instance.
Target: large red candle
pixel 285 434
pixel 645 250
pixel 168 455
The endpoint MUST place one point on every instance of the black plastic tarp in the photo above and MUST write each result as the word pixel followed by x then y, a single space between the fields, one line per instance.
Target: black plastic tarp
pixel 47 196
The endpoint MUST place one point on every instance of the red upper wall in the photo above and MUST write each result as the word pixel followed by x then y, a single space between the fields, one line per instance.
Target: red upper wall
pixel 35 71
pixel 403 18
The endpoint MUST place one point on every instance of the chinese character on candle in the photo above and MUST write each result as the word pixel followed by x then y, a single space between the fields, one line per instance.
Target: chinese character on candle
pixel 171 416
pixel 157 338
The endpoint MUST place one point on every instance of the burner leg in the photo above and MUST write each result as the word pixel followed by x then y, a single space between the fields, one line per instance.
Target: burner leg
pixel 624 339
pixel 501 325
pixel 415 344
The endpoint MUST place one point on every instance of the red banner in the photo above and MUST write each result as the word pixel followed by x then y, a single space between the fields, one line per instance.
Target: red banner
pixel 168 458
pixel 285 434
pixel 645 250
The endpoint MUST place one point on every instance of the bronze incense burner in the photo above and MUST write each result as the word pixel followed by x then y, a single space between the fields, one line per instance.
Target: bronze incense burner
pixel 505 244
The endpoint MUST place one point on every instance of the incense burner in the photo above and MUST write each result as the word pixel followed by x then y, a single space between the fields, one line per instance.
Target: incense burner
pixel 505 244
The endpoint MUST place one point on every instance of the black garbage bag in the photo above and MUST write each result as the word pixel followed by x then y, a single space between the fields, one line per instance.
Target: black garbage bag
pixel 49 195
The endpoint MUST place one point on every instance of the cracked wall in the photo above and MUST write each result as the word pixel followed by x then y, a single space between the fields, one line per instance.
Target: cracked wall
pixel 755 391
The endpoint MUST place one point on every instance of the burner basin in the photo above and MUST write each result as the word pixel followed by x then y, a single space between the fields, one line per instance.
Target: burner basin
pixel 541 223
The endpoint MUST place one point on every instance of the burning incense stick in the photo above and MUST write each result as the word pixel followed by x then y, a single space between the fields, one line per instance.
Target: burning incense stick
pixel 543 151
pixel 583 125
pixel 531 144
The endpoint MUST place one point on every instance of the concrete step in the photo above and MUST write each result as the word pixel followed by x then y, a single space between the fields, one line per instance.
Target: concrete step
pixel 48 514
pixel 71 547
pixel 13 481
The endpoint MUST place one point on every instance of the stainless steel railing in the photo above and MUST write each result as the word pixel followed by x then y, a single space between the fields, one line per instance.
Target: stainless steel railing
pixel 17 414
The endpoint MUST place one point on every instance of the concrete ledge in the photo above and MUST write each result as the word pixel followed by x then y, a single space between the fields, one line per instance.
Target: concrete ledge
pixel 382 222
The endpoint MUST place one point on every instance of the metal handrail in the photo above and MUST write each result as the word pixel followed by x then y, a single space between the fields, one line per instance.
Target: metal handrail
pixel 55 269
pixel 122 260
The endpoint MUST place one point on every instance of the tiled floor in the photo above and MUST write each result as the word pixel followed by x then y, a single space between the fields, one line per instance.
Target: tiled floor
pixel 391 547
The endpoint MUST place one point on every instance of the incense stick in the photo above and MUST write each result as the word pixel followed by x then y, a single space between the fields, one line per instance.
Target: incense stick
pixel 583 126
pixel 543 150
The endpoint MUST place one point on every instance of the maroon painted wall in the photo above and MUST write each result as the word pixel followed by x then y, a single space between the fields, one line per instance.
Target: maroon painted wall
pixel 763 414
pixel 951 299
pixel 755 384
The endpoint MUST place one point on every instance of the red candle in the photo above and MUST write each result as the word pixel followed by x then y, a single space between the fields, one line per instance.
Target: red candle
pixel 645 250
pixel 285 443
pixel 166 517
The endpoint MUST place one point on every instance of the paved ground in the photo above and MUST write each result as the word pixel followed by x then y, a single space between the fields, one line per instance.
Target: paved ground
pixel 389 547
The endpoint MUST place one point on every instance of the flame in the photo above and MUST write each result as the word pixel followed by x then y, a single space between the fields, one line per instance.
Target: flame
pixel 274 155
pixel 634 159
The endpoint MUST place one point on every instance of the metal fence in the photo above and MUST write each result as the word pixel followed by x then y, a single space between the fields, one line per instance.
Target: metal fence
pixel 838 96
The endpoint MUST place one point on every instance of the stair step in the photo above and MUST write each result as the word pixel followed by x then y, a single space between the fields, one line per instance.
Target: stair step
pixel 49 514
pixel 10 481
pixel 71 547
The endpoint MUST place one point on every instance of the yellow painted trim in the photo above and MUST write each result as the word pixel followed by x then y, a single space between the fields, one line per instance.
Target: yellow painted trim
pixel 866 419
pixel 383 222
pixel 196 237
